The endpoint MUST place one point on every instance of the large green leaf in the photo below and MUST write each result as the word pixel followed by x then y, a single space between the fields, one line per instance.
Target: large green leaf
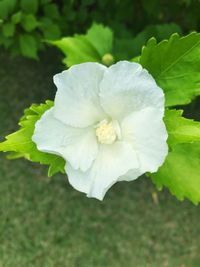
pixel 175 65
pixel 21 145
pixel 181 172
pixel 101 38
pixel 77 50
pixel 94 46
pixel 180 129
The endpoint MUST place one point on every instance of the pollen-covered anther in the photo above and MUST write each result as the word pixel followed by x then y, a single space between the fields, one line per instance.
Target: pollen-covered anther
pixel 106 133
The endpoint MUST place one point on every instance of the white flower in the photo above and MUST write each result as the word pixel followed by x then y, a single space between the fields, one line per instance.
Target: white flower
pixel 107 123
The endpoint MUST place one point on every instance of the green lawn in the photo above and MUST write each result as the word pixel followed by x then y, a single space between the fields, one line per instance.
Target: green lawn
pixel 44 222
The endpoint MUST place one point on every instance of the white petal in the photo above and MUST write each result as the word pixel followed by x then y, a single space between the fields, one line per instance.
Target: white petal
pixel 112 162
pixel 77 99
pixel 127 87
pixel 76 145
pixel 130 175
pixel 146 131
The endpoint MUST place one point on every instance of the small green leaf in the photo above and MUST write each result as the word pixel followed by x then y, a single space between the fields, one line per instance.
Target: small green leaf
pixel 3 10
pixel 175 65
pixel 16 18
pixel 180 129
pixel 29 22
pixel 181 172
pixel 51 11
pixel 50 30
pixel 10 5
pixel 28 46
pixel 6 8
pixel 8 29
pixel 29 6
pixel 44 2
pixel 21 145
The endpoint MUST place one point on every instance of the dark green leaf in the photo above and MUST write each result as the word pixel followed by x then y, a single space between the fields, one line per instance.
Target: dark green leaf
pixel 29 6
pixel 28 46
pixel 29 22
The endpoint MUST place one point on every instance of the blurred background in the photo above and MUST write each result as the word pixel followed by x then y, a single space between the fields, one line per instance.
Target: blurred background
pixel 43 221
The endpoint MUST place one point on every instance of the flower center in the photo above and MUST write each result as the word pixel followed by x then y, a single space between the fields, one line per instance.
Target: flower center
pixel 107 132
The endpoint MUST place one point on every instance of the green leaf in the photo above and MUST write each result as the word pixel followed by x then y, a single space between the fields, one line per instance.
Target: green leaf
pixel 51 11
pixel 126 48
pixel 29 6
pixel 101 38
pixel 180 129
pixel 3 11
pixel 10 4
pixel 8 29
pixel 6 8
pixel 94 46
pixel 21 145
pixel 44 2
pixel 77 50
pixel 28 46
pixel 175 65
pixel 181 172
pixel 50 30
pixel 151 7
pixel 29 22
pixel 16 18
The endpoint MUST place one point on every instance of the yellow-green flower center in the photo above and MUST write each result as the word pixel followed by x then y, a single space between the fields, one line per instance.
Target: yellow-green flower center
pixel 107 132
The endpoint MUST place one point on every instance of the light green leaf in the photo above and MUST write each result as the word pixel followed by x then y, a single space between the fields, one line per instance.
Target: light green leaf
pixel 175 65
pixel 29 22
pixel 180 129
pixel 21 145
pixel 181 172
pixel 28 46
pixel 77 50
pixel 101 38
pixel 94 46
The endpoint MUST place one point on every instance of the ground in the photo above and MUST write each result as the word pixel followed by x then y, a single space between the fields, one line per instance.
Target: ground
pixel 44 222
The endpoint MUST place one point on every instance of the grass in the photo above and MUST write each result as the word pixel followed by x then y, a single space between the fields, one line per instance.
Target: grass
pixel 46 223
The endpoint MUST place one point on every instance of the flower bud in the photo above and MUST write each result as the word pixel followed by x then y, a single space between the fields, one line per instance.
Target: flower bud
pixel 108 59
